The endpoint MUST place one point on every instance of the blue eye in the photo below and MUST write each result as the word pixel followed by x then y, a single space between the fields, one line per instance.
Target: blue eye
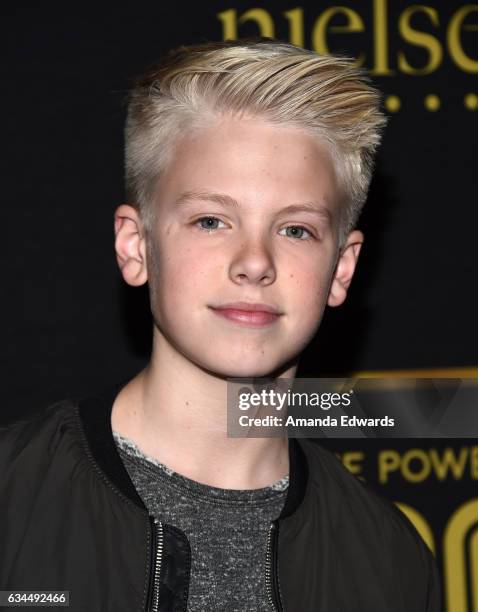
pixel 296 231
pixel 208 223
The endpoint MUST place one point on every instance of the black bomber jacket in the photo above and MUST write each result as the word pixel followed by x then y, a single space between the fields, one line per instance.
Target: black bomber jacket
pixel 71 520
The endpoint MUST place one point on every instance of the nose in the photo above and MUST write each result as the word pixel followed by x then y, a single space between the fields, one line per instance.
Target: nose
pixel 253 263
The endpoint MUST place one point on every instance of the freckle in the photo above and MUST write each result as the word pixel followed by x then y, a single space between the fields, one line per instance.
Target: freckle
pixel 187 403
pixel 292 276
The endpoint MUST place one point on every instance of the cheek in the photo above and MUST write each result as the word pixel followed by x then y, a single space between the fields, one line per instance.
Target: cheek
pixel 188 274
pixel 309 289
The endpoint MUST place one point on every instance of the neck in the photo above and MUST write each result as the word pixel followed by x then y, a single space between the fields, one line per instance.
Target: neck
pixel 175 412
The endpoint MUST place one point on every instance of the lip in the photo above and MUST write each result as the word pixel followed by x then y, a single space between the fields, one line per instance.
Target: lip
pixel 248 314
pixel 247 307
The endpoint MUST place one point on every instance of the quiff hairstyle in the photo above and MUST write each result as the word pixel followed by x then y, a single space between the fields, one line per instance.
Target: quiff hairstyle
pixel 275 81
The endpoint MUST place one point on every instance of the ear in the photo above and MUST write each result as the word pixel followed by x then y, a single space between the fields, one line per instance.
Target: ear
pixel 130 245
pixel 345 268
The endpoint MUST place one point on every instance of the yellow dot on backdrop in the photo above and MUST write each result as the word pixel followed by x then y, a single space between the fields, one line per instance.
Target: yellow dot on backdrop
pixel 471 101
pixel 432 102
pixel 393 103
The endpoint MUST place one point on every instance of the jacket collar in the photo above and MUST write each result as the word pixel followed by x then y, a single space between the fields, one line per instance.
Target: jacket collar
pixel 95 415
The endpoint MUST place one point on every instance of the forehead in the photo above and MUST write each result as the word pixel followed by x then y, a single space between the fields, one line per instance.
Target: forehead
pixel 253 161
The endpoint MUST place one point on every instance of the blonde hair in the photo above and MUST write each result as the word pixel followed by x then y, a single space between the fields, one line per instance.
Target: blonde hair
pixel 264 78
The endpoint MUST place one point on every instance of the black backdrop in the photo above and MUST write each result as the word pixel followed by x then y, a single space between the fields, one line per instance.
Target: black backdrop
pixel 71 326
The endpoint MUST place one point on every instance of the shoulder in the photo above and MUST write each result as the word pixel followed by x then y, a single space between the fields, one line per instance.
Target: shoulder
pixel 361 514
pixel 330 480
pixel 362 532
pixel 35 438
pixel 40 456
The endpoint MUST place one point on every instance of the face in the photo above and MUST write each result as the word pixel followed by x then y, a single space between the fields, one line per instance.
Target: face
pixel 246 218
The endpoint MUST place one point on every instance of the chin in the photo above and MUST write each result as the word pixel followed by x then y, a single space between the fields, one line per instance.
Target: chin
pixel 244 369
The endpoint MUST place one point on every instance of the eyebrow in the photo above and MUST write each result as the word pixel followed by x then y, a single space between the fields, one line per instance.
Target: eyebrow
pixel 228 201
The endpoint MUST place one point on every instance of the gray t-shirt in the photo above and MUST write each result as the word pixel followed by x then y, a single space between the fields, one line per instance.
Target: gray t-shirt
pixel 227 530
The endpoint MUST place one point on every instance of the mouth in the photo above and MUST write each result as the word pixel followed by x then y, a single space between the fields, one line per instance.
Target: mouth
pixel 248 314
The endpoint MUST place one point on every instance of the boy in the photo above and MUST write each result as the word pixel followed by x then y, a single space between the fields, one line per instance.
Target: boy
pixel 247 164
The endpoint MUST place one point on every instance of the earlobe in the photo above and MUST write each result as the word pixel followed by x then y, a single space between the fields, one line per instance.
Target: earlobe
pixel 130 245
pixel 345 268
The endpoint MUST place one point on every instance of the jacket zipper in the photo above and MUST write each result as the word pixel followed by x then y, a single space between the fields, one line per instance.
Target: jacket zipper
pixel 157 538
pixel 272 578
